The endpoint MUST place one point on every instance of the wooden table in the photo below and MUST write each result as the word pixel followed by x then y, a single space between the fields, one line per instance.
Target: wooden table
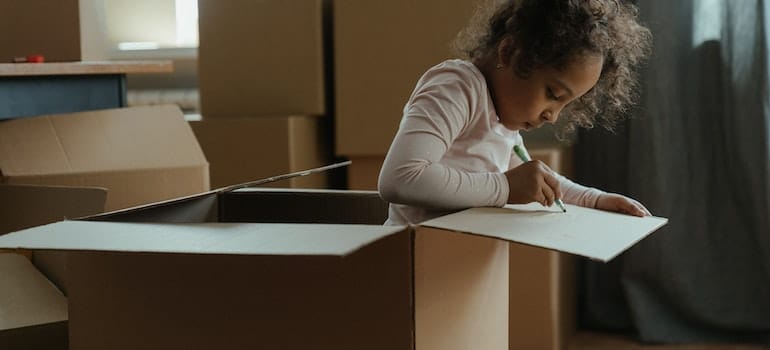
pixel 30 89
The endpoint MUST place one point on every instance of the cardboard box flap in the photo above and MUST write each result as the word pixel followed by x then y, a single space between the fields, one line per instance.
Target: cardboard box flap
pixel 201 207
pixel 198 207
pixel 27 297
pixel 203 238
pixel 98 141
pixel 592 233
pixel 285 176
pixel 31 205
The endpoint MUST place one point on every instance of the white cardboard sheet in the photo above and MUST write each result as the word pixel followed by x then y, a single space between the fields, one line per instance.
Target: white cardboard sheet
pixel 200 238
pixel 592 233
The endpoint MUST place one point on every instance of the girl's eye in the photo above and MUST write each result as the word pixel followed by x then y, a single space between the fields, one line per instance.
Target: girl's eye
pixel 549 93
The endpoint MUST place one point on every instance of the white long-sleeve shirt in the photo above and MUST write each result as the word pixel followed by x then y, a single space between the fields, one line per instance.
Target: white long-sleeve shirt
pixel 451 151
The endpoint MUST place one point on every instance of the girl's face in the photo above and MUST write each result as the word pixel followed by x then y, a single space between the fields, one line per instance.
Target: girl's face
pixel 524 104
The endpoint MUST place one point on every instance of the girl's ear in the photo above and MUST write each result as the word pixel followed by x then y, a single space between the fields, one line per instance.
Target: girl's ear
pixel 505 51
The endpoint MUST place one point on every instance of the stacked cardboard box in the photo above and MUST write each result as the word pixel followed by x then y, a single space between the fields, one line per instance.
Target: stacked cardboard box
pixel 243 149
pixel 262 70
pixel 381 48
pixel 40 27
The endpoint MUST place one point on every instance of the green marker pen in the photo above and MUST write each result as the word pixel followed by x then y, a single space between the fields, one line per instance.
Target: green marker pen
pixel 525 158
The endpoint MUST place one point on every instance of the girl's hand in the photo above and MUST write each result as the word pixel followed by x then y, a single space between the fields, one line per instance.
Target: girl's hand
pixel 532 182
pixel 621 204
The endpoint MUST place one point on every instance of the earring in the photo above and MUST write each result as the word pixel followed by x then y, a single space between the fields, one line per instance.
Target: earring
pixel 499 66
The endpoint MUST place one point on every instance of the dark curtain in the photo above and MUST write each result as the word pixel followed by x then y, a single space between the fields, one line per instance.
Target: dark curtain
pixel 696 151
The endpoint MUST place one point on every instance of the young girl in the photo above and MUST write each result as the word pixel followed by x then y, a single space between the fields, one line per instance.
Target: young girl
pixel 534 61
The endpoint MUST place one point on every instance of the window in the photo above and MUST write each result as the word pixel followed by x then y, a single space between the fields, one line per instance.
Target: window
pixel 707 21
pixel 137 25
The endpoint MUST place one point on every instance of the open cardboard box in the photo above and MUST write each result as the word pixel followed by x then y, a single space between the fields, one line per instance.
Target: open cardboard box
pixel 140 154
pixel 54 167
pixel 292 269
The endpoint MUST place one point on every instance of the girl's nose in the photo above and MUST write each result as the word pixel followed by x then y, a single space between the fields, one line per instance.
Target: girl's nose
pixel 548 117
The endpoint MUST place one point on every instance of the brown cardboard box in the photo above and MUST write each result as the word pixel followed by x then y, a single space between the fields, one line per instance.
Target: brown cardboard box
pixel 243 149
pixel 338 286
pixel 40 27
pixel 139 155
pixel 364 172
pixel 261 58
pixel 381 48
pixel 197 272
pixel 543 298
pixel 542 282
pixel 34 312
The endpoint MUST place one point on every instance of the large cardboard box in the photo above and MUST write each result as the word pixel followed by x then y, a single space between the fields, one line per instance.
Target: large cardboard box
pixel 243 149
pixel 262 57
pixel 40 27
pixel 381 48
pixel 215 270
pixel 138 155
pixel 543 308
pixel 33 313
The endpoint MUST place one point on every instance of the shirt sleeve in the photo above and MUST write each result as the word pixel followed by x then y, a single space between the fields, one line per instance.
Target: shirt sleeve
pixel 572 192
pixel 412 174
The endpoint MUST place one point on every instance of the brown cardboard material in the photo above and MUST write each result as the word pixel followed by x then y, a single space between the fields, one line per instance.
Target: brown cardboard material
pixel 262 58
pixel 168 264
pixel 40 27
pixel 140 154
pixel 381 48
pixel 543 298
pixel 242 149
pixel 451 271
pixel 34 312
pixel 28 205
pixel 364 172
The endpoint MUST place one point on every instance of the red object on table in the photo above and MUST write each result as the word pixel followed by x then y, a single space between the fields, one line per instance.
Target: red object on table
pixel 29 59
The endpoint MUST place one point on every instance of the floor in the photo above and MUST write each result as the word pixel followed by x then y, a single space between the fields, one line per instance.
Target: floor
pixel 601 341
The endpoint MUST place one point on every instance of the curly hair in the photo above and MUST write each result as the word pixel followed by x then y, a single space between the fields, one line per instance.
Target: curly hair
pixel 554 33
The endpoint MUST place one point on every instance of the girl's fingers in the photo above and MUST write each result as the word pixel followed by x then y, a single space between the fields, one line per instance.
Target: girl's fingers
pixel 644 209
pixel 548 195
pixel 641 208
pixel 553 183
pixel 635 210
